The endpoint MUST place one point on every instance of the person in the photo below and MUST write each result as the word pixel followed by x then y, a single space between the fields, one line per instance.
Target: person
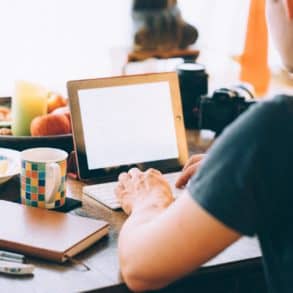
pixel 153 19
pixel 243 186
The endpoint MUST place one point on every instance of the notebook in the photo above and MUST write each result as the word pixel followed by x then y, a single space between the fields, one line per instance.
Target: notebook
pixel 124 122
pixel 47 234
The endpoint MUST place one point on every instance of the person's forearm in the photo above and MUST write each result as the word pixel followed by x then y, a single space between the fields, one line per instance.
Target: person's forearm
pixel 142 216
pixel 134 234
pixel 134 225
pixel 158 245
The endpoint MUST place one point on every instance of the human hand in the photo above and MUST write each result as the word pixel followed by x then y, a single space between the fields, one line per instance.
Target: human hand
pixel 189 170
pixel 137 189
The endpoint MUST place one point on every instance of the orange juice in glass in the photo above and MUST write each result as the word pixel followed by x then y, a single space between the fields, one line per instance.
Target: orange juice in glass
pixel 29 101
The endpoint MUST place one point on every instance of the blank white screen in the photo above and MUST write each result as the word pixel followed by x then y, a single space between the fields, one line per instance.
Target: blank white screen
pixel 128 124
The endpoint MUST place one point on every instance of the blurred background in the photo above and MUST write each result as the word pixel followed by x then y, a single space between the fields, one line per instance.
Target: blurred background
pixel 52 41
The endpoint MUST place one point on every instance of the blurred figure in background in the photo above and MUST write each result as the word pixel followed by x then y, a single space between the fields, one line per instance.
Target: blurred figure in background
pixel 158 25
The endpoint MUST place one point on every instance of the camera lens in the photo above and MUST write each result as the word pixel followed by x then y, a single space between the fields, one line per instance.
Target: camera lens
pixel 193 81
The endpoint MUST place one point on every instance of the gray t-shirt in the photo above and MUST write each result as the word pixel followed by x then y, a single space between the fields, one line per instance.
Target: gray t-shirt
pixel 246 182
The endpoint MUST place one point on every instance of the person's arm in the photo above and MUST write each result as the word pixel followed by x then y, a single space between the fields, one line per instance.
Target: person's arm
pixel 280 21
pixel 289 8
pixel 162 240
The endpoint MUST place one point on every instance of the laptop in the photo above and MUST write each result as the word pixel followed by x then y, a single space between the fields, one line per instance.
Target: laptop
pixel 124 122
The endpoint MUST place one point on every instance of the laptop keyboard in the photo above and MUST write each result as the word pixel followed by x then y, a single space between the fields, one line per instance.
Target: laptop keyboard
pixel 104 193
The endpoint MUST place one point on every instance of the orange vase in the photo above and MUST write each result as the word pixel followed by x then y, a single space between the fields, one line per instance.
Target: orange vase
pixel 254 60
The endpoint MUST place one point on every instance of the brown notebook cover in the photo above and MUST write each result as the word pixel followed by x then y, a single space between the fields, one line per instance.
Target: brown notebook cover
pixel 46 234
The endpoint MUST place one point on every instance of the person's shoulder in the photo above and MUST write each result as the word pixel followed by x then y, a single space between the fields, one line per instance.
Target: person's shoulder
pixel 262 120
pixel 285 102
pixel 277 104
pixel 273 116
pixel 279 107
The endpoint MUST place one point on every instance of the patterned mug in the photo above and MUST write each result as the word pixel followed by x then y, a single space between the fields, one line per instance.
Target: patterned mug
pixel 43 177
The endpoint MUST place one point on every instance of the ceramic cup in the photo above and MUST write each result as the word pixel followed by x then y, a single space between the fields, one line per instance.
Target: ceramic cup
pixel 43 177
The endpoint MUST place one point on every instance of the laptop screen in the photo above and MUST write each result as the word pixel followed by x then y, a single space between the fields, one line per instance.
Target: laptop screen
pixel 129 124
pixel 127 121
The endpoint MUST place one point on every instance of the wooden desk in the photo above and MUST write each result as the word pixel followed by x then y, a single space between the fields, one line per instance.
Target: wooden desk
pixel 238 264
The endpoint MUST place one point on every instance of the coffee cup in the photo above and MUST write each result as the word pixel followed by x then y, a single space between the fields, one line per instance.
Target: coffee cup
pixel 43 177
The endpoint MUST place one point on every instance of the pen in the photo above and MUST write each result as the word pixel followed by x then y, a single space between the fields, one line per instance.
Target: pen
pixel 11 256
pixel 16 269
pixel 3 258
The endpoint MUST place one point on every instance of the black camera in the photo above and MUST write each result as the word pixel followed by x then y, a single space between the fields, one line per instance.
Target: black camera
pixel 224 106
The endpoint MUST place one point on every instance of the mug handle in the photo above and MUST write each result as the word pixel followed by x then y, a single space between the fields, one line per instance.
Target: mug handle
pixel 53 181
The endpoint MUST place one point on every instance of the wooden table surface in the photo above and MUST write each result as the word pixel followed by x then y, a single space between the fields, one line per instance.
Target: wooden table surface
pixel 104 275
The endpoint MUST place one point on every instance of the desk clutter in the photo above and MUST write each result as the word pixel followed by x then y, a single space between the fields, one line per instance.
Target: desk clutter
pixel 31 229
